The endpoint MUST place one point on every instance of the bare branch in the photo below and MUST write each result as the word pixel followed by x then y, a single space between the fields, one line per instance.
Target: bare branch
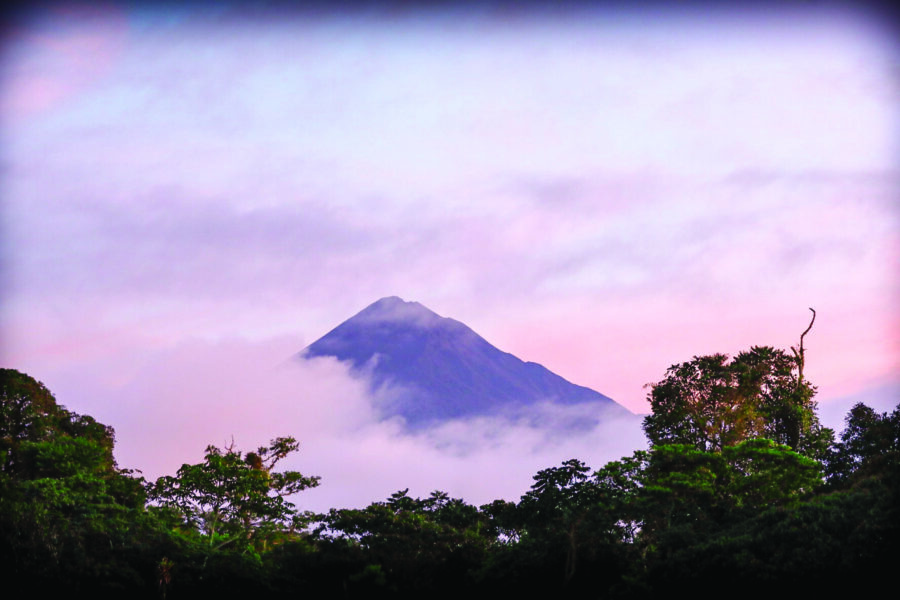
pixel 800 354
pixel 808 328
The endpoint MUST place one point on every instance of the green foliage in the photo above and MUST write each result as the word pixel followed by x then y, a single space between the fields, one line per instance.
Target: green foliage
pixel 573 530
pixel 685 486
pixel 711 403
pixel 408 544
pixel 29 413
pixel 869 444
pixel 833 544
pixel 503 523
pixel 623 484
pixel 69 519
pixel 560 511
pixel 27 409
pixel 762 474
pixel 232 498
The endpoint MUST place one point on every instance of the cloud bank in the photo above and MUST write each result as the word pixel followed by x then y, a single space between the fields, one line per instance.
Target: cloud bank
pixel 203 393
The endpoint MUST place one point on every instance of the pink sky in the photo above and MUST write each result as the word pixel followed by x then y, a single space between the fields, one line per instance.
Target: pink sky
pixel 191 196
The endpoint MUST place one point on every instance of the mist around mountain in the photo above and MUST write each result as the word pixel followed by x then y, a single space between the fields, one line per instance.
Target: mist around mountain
pixel 428 369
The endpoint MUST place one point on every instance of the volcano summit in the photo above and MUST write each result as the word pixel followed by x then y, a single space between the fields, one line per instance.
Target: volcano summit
pixel 435 368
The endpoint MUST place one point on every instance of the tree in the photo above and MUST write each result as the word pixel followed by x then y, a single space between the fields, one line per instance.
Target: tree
pixel 30 413
pixel 557 510
pixel 747 477
pixel 745 516
pixel 869 443
pixel 690 496
pixel 235 499
pixel 407 545
pixel 578 523
pixel 69 518
pixel 711 403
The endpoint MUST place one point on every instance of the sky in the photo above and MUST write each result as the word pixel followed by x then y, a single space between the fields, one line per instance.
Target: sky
pixel 190 194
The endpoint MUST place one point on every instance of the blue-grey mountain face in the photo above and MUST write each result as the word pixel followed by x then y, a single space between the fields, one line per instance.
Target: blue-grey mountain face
pixel 439 369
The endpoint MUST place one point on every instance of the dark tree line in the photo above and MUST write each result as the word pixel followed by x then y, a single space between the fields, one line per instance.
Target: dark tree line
pixel 741 489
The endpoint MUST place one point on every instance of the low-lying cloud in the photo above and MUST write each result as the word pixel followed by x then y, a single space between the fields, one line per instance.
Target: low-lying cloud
pixel 204 393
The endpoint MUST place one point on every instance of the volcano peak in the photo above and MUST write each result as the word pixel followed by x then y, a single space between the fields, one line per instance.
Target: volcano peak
pixel 443 368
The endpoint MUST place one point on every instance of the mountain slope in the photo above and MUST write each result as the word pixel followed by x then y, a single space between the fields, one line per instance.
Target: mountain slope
pixel 440 369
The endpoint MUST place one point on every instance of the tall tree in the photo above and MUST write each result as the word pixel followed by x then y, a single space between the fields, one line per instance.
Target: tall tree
pixel 29 413
pixel 232 498
pixel 579 522
pixel 69 518
pixel 869 444
pixel 712 402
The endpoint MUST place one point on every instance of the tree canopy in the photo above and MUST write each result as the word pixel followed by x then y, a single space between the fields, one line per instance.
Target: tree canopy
pixel 67 513
pixel 29 413
pixel 712 402
pixel 869 444
pixel 233 498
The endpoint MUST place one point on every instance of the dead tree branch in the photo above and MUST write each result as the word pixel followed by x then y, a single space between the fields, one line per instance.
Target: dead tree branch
pixel 799 354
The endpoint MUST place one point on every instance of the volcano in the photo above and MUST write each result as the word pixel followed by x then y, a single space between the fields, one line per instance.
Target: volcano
pixel 429 369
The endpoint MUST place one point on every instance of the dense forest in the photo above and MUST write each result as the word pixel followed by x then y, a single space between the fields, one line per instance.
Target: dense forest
pixel 742 491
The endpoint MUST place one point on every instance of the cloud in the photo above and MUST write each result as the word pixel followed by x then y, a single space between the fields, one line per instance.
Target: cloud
pixel 59 54
pixel 202 393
